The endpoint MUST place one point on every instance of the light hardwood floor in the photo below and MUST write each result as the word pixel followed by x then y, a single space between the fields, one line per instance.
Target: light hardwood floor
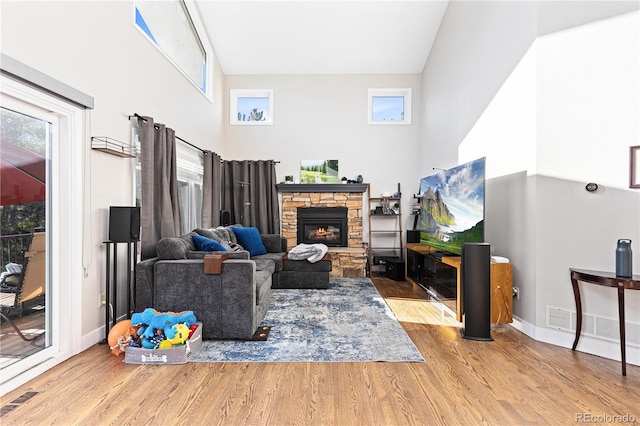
pixel 513 380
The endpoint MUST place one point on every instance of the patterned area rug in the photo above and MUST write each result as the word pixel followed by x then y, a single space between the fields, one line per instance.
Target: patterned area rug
pixel 347 322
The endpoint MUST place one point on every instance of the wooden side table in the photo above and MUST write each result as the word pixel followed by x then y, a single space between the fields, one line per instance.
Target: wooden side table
pixel 607 279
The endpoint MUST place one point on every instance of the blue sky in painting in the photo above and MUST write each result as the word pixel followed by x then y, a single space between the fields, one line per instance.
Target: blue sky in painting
pixel 462 190
pixel 386 108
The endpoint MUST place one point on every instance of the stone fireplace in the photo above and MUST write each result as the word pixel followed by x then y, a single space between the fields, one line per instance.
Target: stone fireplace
pixel 348 258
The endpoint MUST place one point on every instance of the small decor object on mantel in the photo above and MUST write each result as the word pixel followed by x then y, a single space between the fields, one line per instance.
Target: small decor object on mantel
pixel 288 179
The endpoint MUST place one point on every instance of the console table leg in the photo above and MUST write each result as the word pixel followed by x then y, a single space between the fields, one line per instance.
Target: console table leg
pixel 623 348
pixel 576 295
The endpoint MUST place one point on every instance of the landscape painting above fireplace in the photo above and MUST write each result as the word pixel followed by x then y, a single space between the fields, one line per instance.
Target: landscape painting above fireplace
pixel 319 171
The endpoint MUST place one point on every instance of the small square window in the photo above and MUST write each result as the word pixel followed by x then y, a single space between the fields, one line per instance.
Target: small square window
pixel 389 106
pixel 251 107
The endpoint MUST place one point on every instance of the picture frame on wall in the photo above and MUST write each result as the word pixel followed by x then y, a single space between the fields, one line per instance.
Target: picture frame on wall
pixel 634 167
pixel 319 171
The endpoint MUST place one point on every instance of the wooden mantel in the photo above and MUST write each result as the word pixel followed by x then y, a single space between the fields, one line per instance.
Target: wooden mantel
pixel 321 187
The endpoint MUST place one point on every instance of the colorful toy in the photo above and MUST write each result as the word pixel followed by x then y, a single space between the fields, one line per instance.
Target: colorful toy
pixel 152 342
pixel 180 334
pixel 120 335
pixel 163 321
pixel 192 329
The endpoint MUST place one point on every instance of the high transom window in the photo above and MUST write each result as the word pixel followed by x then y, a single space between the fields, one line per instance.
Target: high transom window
pixel 389 106
pixel 169 26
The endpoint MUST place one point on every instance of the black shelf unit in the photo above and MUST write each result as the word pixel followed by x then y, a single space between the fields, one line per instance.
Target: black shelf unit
pixel 385 231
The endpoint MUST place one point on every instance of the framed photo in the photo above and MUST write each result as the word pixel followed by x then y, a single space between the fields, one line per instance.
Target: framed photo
pixel 634 167
pixel 319 171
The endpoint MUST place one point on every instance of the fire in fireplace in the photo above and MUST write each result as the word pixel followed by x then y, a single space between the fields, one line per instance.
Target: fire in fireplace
pixel 326 225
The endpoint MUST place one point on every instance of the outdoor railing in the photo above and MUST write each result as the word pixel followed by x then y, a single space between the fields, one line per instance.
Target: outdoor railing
pixel 12 248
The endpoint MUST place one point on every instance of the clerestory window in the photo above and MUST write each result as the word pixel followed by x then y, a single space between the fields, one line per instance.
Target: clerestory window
pixel 170 27
pixel 389 106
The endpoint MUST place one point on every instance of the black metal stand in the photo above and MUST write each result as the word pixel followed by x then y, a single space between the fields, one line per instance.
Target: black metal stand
pixel 132 248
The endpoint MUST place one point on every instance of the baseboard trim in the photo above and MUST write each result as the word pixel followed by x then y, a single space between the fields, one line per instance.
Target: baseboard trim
pixel 609 350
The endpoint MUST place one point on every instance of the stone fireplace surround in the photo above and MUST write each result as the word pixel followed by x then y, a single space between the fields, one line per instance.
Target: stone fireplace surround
pixel 347 261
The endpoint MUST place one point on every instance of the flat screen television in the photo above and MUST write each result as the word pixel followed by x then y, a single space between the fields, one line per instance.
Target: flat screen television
pixel 452 207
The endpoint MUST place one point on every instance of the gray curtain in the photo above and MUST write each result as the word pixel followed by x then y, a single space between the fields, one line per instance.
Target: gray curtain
pixel 249 194
pixel 159 212
pixel 211 190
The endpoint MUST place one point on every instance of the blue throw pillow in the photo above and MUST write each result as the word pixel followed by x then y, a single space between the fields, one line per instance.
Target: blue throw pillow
pixel 250 239
pixel 207 244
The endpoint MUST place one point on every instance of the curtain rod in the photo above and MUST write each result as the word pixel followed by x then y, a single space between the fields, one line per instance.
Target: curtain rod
pixel 135 114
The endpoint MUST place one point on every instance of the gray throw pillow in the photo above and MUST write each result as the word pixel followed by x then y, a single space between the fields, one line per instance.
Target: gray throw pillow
pixel 226 233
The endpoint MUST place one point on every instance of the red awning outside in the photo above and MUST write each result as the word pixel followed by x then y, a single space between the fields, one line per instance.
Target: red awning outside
pixel 22 175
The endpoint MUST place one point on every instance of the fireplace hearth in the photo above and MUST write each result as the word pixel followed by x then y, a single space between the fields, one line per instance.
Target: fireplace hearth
pixel 326 225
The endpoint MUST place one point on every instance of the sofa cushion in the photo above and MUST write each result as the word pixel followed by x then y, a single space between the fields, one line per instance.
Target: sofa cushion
pixel 265 265
pixel 323 265
pixel 276 258
pixel 250 239
pixel 274 243
pixel 208 244
pixel 174 248
pixel 242 254
pixel 263 287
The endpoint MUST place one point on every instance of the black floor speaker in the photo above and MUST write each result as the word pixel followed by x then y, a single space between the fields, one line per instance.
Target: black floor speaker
pixel 124 224
pixel 394 269
pixel 476 291
pixel 225 218
pixel 413 236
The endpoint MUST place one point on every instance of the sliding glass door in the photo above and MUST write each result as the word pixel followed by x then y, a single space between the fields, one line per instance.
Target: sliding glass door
pixel 41 185
pixel 25 217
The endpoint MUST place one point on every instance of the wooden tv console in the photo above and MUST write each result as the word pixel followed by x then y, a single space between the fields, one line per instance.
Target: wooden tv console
pixel 501 282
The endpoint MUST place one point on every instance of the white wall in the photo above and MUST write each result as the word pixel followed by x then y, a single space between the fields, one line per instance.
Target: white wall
pixel 588 116
pixel 476 49
pixel 94 47
pixel 554 104
pixel 325 117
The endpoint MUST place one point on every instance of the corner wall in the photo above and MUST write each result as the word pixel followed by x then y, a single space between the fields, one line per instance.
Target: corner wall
pixel 549 92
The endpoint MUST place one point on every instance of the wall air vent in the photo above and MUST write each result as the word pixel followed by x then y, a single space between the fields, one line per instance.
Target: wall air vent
pixel 595 326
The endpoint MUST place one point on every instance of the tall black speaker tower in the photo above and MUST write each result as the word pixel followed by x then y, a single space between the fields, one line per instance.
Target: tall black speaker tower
pixel 124 224
pixel 476 291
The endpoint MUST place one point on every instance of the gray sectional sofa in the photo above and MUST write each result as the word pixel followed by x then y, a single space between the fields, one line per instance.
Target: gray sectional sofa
pixel 230 305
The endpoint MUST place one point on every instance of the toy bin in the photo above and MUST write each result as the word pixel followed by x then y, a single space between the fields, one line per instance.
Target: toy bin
pixel 175 355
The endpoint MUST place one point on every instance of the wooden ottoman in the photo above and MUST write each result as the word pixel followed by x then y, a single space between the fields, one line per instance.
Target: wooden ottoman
pixel 304 274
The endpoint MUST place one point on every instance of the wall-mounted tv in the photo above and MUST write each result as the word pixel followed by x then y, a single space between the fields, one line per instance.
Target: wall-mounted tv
pixel 452 207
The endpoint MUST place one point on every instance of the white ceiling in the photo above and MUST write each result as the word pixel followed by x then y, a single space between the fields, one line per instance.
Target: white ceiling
pixel 322 37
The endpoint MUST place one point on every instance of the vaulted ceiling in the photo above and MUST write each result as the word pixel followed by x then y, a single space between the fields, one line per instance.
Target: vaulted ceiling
pixel 322 37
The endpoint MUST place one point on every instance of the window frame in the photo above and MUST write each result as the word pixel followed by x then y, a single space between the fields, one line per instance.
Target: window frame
pixel 235 94
pixel 405 93
pixel 200 35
